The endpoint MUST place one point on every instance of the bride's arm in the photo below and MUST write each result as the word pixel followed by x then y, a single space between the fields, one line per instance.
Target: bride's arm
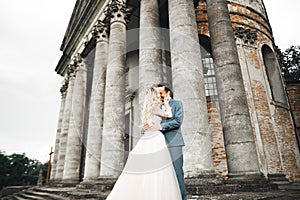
pixel 168 109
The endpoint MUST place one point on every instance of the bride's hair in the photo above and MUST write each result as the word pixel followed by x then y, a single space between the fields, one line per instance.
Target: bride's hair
pixel 152 101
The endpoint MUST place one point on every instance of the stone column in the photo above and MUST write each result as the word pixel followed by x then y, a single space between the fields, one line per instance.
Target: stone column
pixel 65 125
pixel 93 149
pixel 112 153
pixel 59 128
pixel 150 53
pixel 188 84
pixel 74 141
pixel 239 142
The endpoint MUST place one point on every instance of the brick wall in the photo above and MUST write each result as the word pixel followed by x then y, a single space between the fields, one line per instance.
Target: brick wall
pixel 293 90
pixel 217 139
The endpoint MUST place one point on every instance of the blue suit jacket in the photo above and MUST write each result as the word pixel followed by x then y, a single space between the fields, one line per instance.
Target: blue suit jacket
pixel 170 127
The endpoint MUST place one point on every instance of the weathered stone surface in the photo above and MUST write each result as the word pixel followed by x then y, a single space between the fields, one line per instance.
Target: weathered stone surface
pixel 57 137
pixel 74 140
pixel 188 84
pixel 95 126
pixel 112 153
pixel 233 103
pixel 150 51
pixel 65 129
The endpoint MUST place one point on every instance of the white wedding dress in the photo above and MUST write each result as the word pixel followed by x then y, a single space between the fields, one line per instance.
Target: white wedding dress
pixel 148 173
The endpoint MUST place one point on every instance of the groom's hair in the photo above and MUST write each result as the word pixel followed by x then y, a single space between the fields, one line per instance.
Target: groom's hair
pixel 167 88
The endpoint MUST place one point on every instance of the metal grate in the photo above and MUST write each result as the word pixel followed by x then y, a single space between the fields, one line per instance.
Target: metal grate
pixel 209 77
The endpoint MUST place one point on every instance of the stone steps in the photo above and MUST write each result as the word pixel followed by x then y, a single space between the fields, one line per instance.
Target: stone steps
pixel 88 195
pixel 41 193
pixel 27 195
pixel 289 186
pixel 197 189
pixel 55 191
pixel 44 195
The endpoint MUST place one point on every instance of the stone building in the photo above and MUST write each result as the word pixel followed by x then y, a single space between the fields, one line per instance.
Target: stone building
pixel 220 59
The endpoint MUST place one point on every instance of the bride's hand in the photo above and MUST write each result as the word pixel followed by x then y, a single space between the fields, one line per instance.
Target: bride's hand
pixel 167 99
pixel 168 113
pixel 145 127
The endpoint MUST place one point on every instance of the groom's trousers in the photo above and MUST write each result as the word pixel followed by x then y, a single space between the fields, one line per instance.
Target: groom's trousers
pixel 177 159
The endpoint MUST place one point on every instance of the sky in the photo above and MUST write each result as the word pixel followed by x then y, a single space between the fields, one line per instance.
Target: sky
pixel 31 32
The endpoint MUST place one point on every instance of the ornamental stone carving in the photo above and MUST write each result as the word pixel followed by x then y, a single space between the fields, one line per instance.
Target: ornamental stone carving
pixel 246 35
pixel 71 72
pixel 72 68
pixel 77 59
pixel 100 31
pixel 64 86
pixel 117 11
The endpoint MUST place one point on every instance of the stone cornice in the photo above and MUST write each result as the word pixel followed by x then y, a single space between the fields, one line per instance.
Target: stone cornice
pixel 80 35
pixel 79 24
pixel 81 13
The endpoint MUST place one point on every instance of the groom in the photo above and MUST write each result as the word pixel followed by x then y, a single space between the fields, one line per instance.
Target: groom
pixel 170 127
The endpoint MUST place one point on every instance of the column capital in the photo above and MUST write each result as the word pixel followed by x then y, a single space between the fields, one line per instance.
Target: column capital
pixel 77 59
pixel 64 87
pixel 246 35
pixel 117 11
pixel 100 31
pixel 71 72
pixel 79 62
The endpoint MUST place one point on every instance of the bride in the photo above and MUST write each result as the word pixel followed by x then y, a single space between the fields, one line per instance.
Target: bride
pixel 149 173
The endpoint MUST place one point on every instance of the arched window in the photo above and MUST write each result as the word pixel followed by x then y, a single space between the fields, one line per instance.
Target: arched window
pixel 274 76
pixel 208 66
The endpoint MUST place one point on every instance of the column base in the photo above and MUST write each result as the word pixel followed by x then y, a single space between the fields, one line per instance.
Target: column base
pixel 55 182
pixel 105 184
pixel 87 184
pixel 99 184
pixel 250 182
pixel 69 182
pixel 246 177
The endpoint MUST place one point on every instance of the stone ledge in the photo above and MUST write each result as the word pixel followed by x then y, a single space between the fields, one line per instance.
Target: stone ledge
pixel 289 186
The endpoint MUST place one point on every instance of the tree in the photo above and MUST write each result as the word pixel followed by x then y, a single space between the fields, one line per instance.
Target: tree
pixel 4 169
pixel 290 63
pixel 18 169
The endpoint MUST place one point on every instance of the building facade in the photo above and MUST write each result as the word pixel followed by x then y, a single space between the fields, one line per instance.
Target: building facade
pixel 220 59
